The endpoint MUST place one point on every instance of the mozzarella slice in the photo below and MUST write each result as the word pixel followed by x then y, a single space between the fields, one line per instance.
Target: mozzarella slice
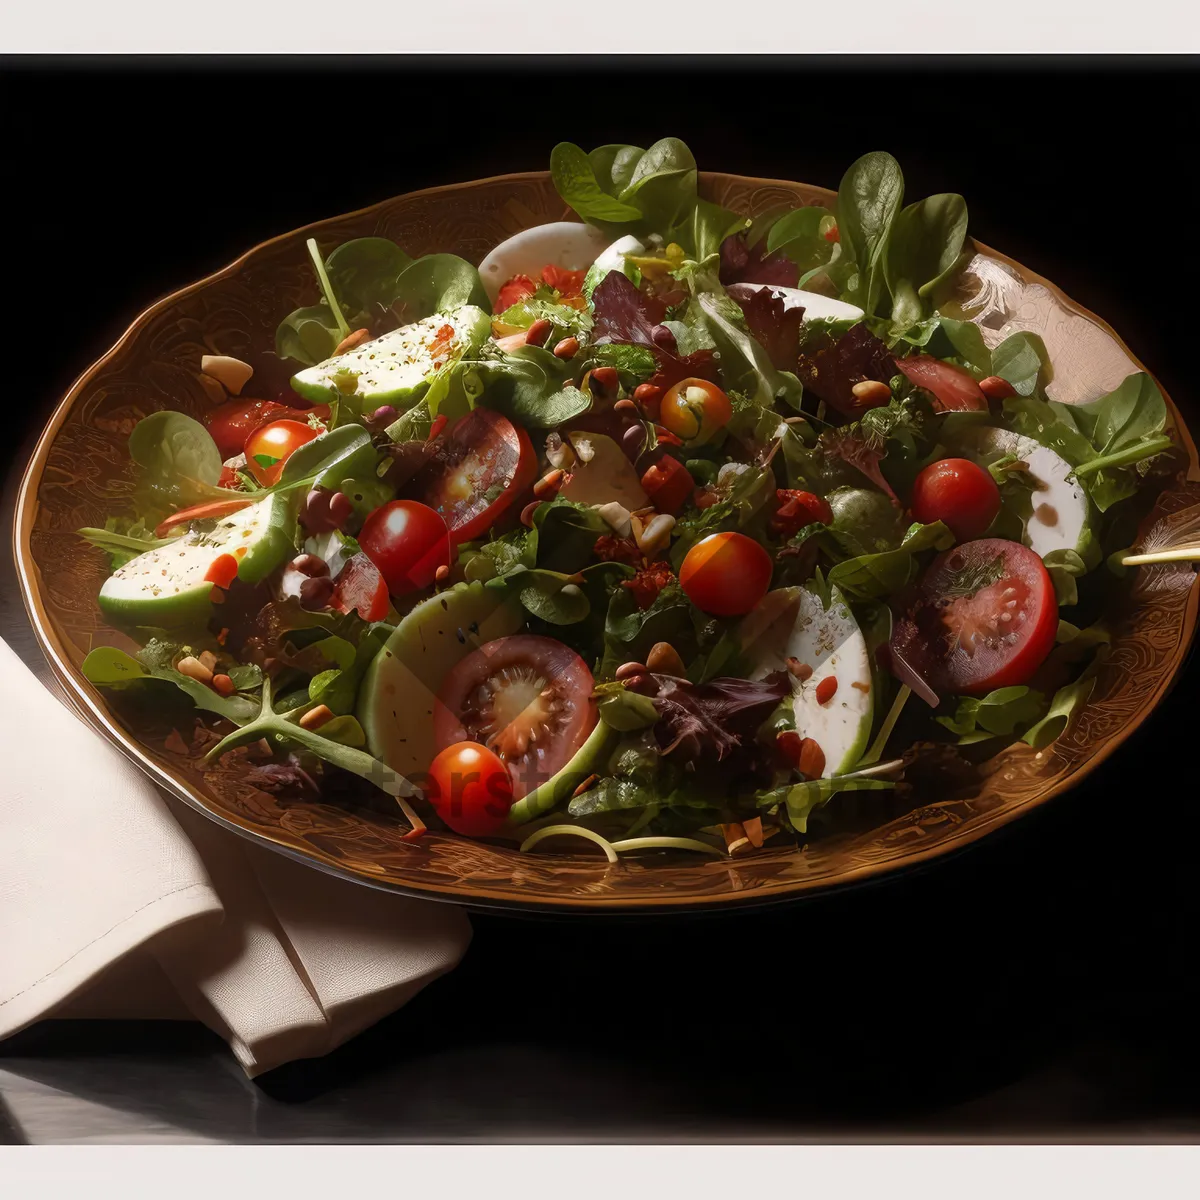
pixel 816 307
pixel 566 244
pixel 790 623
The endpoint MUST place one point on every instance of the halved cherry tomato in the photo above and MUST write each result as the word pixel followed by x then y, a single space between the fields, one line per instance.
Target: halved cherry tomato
pixel 983 616
pixel 726 574
pixel 231 424
pixel 210 510
pixel 694 409
pixel 487 463
pixel 360 587
pixel 527 698
pixel 270 446
pixel 668 484
pixel 518 288
pixel 470 789
pixel 953 389
pixel 407 541
pixel 566 283
pixel 958 492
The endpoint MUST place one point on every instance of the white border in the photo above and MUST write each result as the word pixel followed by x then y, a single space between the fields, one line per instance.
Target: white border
pixel 602 26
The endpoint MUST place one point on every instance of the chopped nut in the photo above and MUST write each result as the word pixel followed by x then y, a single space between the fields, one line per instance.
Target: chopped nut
pixel 664 659
pixel 860 686
pixel 209 659
pixel 995 387
pixel 736 841
pixel 559 453
pixel 587 785
pixel 232 373
pixel 316 717
pixel 754 831
pixel 567 348
pixel 193 668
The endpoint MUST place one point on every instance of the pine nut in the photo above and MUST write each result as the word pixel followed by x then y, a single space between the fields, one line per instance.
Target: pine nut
pixel 538 332
pixel 316 717
pixel 223 685
pixel 617 517
pixel 995 387
pixel 441 574
pixel 604 382
pixel 664 659
pixel 193 668
pixel 812 759
pixel 567 348
pixel 549 484
pixel 656 534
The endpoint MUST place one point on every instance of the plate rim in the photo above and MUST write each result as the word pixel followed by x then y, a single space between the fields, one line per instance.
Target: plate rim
pixel 91 708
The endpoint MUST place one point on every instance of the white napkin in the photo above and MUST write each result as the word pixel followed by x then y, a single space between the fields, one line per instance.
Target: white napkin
pixel 117 901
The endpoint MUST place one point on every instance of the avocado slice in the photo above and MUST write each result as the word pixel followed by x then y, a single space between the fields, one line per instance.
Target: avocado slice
pixel 395 703
pixel 166 587
pixel 396 368
pixel 560 787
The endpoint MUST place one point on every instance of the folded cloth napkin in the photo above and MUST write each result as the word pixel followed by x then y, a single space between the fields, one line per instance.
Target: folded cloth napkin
pixel 117 900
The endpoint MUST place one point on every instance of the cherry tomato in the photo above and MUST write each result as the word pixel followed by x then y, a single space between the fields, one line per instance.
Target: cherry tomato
pixel 726 574
pixel 953 389
pixel 270 446
pixel 527 698
pixel 694 409
pixel 984 616
pixel 959 492
pixel 798 509
pixel 231 424
pixel 564 282
pixel 518 288
pixel 487 463
pixel 407 541
pixel 361 588
pixel 470 789
pixel 668 484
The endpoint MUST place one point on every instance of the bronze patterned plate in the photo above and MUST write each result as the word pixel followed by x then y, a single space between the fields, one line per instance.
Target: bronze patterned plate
pixel 80 472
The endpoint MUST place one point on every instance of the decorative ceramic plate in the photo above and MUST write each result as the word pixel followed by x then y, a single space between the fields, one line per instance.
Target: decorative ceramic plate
pixel 81 471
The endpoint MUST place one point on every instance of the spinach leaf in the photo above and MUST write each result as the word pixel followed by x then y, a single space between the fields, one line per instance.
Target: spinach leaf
pixel 703 228
pixel 531 387
pixel 338 688
pixel 171 445
pixel 869 199
pixel 745 365
pixel 551 596
pixel 109 667
pixel 575 179
pixel 438 283
pixel 662 183
pixel 800 234
pixel 1064 567
pixel 944 337
pixel 1067 700
pixel 1021 358
pixel 872 576
pixel 923 249
pixel 517 548
pixel 978 718
pixel 365 272
pixel 566 534
pixel 329 458
pixel 309 335
pixel 124 539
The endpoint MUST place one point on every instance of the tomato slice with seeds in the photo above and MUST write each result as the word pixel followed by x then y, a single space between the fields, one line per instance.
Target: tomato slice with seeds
pixel 527 698
pixel 953 389
pixel 486 464
pixel 360 587
pixel 984 616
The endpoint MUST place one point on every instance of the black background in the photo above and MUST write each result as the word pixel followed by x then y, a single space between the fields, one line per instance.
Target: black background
pixel 1055 963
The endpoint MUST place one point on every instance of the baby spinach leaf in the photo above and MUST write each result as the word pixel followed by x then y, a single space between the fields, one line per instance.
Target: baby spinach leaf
pixel 872 576
pixel 944 337
pixel 978 718
pixel 329 458
pixel 532 389
pixel 1064 567
pixel 575 178
pixel 566 534
pixel 552 596
pixel 703 227
pixel 308 335
pixel 869 199
pixel 800 234
pixel 109 667
pixel 1021 358
pixel 925 244
pixel 801 799
pixel 171 444
pixel 338 688
pixel 438 283
pixel 364 273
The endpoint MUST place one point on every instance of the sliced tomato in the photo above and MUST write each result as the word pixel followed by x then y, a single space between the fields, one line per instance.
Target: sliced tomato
pixel 361 588
pixel 564 282
pixel 210 510
pixel 487 463
pixel 518 288
pixel 953 389
pixel 527 698
pixel 231 424
pixel 984 616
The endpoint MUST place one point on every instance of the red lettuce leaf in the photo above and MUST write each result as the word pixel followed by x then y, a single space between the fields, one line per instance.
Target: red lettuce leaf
pixel 777 331
pixel 830 367
pixel 743 263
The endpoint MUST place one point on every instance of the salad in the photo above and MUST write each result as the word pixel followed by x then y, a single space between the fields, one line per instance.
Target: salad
pixel 662 528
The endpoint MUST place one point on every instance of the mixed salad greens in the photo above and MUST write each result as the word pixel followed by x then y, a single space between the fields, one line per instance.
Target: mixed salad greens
pixel 660 528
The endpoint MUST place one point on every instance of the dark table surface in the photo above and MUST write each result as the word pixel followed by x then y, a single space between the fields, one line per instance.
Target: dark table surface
pixel 1043 984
